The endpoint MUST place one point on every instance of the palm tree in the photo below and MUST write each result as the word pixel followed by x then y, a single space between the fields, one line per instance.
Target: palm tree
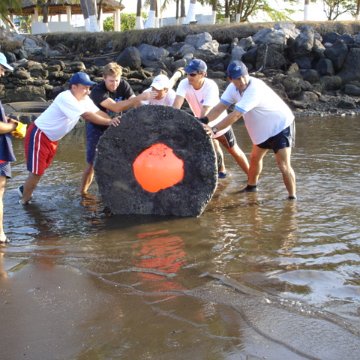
pixel 5 5
pixel 139 21
pixel 89 10
pixel 190 17
pixel 213 8
pixel 306 9
pixel 85 12
pixel 182 11
pixel 152 20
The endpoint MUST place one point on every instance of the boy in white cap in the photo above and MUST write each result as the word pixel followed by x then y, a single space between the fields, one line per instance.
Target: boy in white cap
pixel 54 123
pixel 268 120
pixel 201 94
pixel 7 127
pixel 165 95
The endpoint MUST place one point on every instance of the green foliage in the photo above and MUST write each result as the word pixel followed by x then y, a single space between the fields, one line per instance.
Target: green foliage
pixel 24 24
pixel 276 15
pixel 334 8
pixel 5 5
pixel 128 22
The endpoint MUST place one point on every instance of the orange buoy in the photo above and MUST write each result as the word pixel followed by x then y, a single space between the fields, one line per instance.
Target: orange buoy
pixel 158 168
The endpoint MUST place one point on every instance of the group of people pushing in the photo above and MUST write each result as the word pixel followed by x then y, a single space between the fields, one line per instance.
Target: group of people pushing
pixel 268 120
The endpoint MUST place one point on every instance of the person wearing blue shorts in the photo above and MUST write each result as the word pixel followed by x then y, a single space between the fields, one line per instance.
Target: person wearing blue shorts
pixel 7 156
pixel 113 95
pixel 268 120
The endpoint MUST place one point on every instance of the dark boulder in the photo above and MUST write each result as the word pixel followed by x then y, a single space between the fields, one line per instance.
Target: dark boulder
pixel 120 148
pixel 130 57
pixel 337 54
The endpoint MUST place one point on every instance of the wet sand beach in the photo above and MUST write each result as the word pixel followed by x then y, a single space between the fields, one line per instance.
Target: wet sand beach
pixel 255 277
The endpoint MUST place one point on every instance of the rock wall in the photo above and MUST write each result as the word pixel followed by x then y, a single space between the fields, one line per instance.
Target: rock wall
pixel 315 68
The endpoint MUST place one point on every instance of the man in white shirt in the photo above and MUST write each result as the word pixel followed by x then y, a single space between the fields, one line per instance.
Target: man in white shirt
pixel 201 94
pixel 54 123
pixel 268 120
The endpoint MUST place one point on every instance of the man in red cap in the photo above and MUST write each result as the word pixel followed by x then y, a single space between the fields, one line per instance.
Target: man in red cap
pixel 54 123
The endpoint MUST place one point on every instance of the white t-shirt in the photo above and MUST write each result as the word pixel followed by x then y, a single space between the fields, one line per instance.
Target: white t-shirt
pixel 265 113
pixel 63 114
pixel 207 95
pixel 168 100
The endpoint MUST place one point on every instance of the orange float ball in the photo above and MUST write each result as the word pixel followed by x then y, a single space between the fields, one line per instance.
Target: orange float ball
pixel 158 168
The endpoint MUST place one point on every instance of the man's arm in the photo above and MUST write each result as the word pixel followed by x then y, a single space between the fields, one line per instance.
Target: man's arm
pixel 7 127
pixel 178 102
pixel 100 118
pixel 228 120
pixel 215 112
pixel 123 105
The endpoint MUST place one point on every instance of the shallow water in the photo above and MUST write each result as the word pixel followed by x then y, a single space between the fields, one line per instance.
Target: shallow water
pixel 256 276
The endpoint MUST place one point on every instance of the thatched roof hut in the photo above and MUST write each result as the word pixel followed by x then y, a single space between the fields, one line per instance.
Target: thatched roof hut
pixel 58 7
pixel 68 8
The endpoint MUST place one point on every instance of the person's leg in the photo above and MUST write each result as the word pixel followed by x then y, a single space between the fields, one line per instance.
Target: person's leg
pixel 93 134
pixel 5 173
pixel 39 153
pixel 2 190
pixel 220 155
pixel 256 164
pixel 87 179
pixel 283 159
pixel 228 140
pixel 240 158
pixel 29 187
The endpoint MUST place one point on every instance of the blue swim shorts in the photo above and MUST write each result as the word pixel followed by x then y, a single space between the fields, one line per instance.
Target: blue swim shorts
pixel 283 139
pixel 5 169
pixel 93 134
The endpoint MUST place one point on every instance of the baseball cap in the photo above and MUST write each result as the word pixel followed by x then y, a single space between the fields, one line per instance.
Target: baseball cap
pixel 160 82
pixel 236 69
pixel 196 65
pixel 4 62
pixel 81 78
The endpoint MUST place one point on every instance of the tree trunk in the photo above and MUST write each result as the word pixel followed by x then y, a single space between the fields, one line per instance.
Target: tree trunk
pixel 92 16
pixel 45 12
pixel 151 21
pixel 213 12
pixel 190 17
pixel 182 11
pixel 306 9
pixel 139 21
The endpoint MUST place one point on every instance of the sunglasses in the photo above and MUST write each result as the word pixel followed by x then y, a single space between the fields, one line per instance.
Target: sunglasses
pixel 192 74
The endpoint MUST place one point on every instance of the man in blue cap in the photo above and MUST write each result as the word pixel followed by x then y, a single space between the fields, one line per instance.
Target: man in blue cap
pixel 54 123
pixel 268 120
pixel 201 94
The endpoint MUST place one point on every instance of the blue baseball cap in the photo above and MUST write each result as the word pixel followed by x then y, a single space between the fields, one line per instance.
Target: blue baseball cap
pixel 196 65
pixel 81 78
pixel 236 69
pixel 3 62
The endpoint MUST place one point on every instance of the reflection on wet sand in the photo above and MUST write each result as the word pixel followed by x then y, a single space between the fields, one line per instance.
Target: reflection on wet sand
pixel 157 254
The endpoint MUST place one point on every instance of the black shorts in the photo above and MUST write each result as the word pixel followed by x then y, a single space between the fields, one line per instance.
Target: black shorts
pixel 228 140
pixel 283 139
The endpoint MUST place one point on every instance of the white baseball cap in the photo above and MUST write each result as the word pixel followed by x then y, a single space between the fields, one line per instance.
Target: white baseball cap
pixel 4 62
pixel 160 82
